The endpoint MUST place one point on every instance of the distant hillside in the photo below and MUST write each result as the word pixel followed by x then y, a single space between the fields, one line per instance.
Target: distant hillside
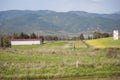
pixel 51 22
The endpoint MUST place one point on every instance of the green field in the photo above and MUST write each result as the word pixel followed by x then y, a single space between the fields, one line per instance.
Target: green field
pixel 57 45
pixel 57 60
pixel 104 43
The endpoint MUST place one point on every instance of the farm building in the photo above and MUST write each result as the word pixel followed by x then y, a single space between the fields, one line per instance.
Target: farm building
pixel 25 41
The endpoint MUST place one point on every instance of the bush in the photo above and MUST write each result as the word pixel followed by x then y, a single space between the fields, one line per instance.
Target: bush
pixel 112 53
pixel 5 41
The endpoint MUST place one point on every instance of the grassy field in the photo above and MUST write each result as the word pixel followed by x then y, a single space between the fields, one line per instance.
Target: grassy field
pixel 104 43
pixel 56 60
pixel 57 45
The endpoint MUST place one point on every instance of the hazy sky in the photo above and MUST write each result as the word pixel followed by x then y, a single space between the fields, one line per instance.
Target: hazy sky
pixel 93 6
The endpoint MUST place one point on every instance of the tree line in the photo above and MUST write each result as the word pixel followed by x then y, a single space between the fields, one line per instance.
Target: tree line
pixel 5 40
pixel 33 36
pixel 95 35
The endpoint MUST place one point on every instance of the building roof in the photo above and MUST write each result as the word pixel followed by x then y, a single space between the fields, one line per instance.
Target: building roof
pixel 25 39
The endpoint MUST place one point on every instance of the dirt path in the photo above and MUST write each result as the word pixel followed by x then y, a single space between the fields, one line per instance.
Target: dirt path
pixel 67 46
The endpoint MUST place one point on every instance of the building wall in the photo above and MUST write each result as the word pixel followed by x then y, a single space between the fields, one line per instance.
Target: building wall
pixel 24 42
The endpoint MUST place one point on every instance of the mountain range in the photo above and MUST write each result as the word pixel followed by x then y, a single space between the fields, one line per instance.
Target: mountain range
pixel 51 22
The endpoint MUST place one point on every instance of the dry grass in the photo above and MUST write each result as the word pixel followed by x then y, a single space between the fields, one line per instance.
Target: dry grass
pixel 45 63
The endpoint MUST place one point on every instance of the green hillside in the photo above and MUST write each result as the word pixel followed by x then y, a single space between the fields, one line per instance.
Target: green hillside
pixel 104 43
pixel 51 21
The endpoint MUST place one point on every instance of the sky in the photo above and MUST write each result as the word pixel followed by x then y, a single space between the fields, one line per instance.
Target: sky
pixel 92 6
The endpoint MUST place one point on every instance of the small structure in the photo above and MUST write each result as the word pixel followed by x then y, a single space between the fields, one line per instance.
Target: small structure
pixel 115 34
pixel 25 41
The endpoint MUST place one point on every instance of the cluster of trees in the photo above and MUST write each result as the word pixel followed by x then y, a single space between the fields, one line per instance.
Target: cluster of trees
pixel 27 36
pixel 80 37
pixel 33 36
pixel 24 35
pixel 97 35
pixel 51 37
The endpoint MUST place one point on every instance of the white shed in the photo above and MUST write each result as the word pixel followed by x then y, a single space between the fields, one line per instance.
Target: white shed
pixel 25 41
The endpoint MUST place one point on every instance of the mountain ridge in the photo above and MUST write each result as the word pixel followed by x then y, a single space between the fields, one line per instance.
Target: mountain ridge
pixel 46 21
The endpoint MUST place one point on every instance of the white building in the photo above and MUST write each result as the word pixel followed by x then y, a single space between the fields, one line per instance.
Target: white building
pixel 25 41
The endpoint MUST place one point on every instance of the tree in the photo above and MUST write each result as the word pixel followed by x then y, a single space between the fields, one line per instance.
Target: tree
pixel 1 41
pixel 33 35
pixel 89 37
pixel 105 35
pixel 74 38
pixel 23 36
pixel 55 38
pixel 15 36
pixel 42 39
pixel 26 36
pixel 6 42
pixel 96 35
pixel 50 37
pixel 100 35
pixel 81 37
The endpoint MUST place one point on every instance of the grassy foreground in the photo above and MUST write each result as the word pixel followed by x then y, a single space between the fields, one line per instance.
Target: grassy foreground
pixel 56 60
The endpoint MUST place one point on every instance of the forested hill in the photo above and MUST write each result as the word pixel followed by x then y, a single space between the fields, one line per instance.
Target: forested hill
pixel 51 22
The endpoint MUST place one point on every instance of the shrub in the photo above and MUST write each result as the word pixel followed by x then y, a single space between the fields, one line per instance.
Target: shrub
pixel 5 41
pixel 112 53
